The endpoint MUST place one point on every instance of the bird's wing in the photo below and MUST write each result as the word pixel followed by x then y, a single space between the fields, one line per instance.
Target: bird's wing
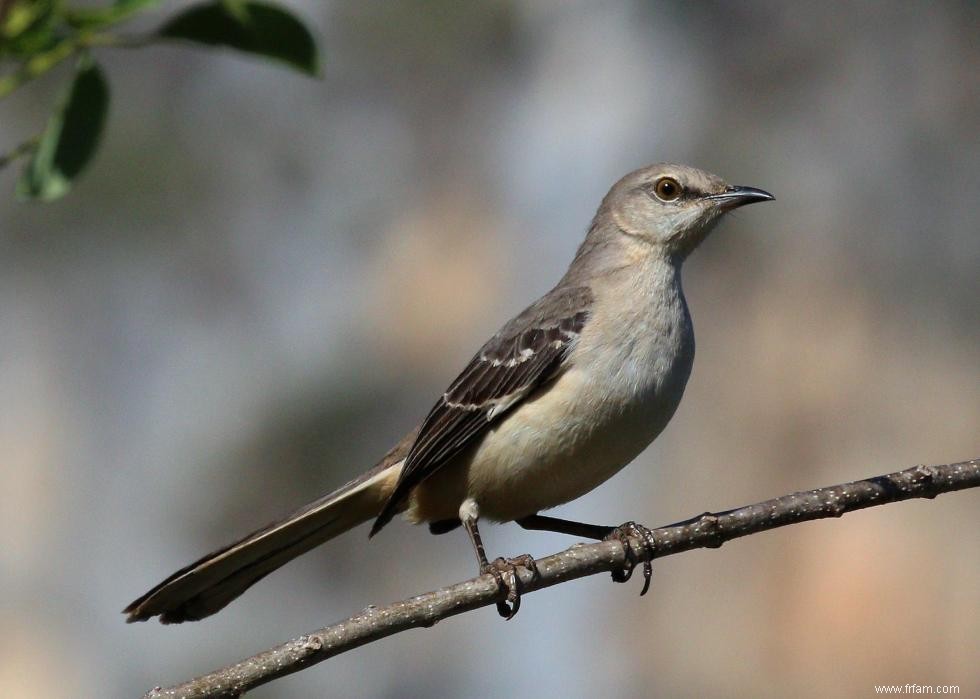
pixel 526 353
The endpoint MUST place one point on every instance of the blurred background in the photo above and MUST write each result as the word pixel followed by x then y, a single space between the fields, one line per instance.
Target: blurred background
pixel 264 281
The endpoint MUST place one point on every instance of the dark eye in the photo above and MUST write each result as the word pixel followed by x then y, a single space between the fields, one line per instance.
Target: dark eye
pixel 667 189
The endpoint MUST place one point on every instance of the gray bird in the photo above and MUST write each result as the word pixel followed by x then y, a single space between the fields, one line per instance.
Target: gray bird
pixel 560 399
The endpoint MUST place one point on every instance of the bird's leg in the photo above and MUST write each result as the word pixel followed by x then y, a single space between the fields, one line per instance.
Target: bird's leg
pixel 503 570
pixel 623 533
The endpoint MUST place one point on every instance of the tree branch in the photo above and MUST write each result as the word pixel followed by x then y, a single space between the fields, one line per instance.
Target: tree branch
pixel 707 531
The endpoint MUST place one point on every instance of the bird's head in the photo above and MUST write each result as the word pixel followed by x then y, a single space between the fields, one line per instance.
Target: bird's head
pixel 673 207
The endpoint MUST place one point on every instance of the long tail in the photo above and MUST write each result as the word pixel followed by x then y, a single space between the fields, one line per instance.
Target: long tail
pixel 207 585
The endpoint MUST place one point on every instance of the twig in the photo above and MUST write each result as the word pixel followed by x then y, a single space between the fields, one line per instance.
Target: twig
pixel 44 62
pixel 707 531
pixel 5 7
pixel 22 149
pixel 37 65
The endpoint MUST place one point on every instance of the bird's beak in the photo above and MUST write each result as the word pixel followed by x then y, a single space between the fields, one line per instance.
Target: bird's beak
pixel 736 196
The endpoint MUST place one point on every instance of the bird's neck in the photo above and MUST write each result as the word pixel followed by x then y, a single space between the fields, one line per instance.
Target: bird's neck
pixel 647 362
pixel 610 254
pixel 650 284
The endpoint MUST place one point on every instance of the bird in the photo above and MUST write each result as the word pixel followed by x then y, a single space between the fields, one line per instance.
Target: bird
pixel 561 398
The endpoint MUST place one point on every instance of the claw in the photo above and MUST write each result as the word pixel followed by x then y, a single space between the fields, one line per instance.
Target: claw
pixel 623 533
pixel 504 571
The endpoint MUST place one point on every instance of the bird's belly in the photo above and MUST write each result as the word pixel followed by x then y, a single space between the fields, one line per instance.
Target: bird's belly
pixel 594 443
pixel 573 434
pixel 560 446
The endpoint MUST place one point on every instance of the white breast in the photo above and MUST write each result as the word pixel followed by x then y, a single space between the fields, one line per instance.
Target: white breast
pixel 626 375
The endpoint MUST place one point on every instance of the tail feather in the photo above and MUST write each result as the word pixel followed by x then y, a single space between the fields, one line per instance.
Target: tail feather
pixel 208 584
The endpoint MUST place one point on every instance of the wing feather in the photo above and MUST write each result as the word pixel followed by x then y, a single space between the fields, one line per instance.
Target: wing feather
pixel 527 353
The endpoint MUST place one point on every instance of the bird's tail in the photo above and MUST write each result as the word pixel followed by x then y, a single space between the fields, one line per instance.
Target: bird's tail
pixel 207 585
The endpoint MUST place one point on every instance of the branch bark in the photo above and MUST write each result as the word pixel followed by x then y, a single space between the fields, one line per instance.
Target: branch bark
pixel 707 531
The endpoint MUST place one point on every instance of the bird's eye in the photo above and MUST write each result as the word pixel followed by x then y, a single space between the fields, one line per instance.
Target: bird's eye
pixel 667 189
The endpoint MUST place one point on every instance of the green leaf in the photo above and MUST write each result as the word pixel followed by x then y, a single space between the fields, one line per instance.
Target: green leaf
pixel 132 5
pixel 28 28
pixel 21 14
pixel 253 27
pixel 100 17
pixel 70 137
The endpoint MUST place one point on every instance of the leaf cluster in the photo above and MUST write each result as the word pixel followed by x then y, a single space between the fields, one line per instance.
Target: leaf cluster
pixel 38 35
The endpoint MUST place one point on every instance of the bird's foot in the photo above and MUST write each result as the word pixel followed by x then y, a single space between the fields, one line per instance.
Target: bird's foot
pixel 504 571
pixel 623 534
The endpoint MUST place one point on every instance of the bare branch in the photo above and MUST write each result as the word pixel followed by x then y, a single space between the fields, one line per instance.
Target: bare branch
pixel 707 531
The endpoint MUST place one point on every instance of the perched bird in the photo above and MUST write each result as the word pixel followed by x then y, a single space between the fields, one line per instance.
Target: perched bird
pixel 561 398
